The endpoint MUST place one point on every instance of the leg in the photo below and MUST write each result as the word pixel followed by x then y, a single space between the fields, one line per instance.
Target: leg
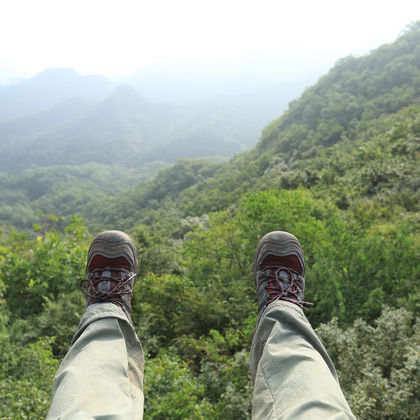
pixel 293 375
pixel 102 374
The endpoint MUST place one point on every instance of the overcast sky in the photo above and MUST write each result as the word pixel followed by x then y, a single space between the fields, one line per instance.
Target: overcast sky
pixel 117 37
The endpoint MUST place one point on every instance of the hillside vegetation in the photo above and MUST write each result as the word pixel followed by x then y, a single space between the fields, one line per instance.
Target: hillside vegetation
pixel 353 147
pixel 75 135
pixel 339 169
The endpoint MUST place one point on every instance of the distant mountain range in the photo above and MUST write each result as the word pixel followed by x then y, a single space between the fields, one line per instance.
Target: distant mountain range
pixel 59 117
pixel 48 89
pixel 351 136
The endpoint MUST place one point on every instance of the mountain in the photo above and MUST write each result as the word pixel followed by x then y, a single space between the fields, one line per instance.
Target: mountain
pixel 126 129
pixel 82 144
pixel 351 136
pixel 65 111
pixel 48 89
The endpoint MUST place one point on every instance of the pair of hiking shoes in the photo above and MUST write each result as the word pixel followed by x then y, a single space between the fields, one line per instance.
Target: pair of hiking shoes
pixel 112 266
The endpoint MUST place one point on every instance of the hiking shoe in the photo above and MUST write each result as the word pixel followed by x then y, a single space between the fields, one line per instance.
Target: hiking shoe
pixel 279 270
pixel 111 270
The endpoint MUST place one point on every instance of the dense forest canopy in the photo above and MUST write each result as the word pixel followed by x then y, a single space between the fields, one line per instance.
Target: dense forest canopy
pixel 339 169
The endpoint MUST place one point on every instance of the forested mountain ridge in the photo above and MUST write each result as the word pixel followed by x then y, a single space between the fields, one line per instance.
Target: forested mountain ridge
pixel 123 127
pixel 353 202
pixel 60 159
pixel 353 94
pixel 329 139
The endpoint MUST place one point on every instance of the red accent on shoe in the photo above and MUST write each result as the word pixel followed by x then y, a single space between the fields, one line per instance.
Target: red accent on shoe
pixel 99 261
pixel 289 261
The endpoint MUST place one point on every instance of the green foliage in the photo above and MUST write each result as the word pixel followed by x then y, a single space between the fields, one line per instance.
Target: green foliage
pixel 379 364
pixel 228 385
pixel 64 190
pixel 351 270
pixel 59 320
pixel 206 316
pixel 35 269
pixel 26 375
pixel 172 392
pixel 158 252
pixel 221 365
pixel 152 201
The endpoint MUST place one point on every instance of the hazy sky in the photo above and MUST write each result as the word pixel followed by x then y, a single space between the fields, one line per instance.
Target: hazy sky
pixel 116 37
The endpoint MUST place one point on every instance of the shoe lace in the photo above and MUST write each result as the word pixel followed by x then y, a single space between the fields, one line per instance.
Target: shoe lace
pixel 283 283
pixel 122 285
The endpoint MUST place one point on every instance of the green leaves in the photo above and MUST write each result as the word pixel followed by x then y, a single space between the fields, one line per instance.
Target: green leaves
pixel 378 365
pixel 172 392
pixel 50 264
pixel 195 306
pixel 26 375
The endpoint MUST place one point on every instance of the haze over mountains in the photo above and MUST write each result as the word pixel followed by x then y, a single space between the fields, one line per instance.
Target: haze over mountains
pixel 192 82
pixel 67 138
pixel 48 89
pixel 59 117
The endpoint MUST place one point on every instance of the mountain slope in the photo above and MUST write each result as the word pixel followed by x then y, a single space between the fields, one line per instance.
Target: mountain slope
pixel 349 129
pixel 84 144
pixel 126 129
pixel 48 89
pixel 354 93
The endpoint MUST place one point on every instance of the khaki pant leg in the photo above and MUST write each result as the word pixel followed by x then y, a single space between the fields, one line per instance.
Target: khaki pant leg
pixel 101 377
pixel 293 376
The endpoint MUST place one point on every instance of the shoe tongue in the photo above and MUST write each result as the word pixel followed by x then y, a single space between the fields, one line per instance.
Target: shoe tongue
pixel 289 261
pixel 99 261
